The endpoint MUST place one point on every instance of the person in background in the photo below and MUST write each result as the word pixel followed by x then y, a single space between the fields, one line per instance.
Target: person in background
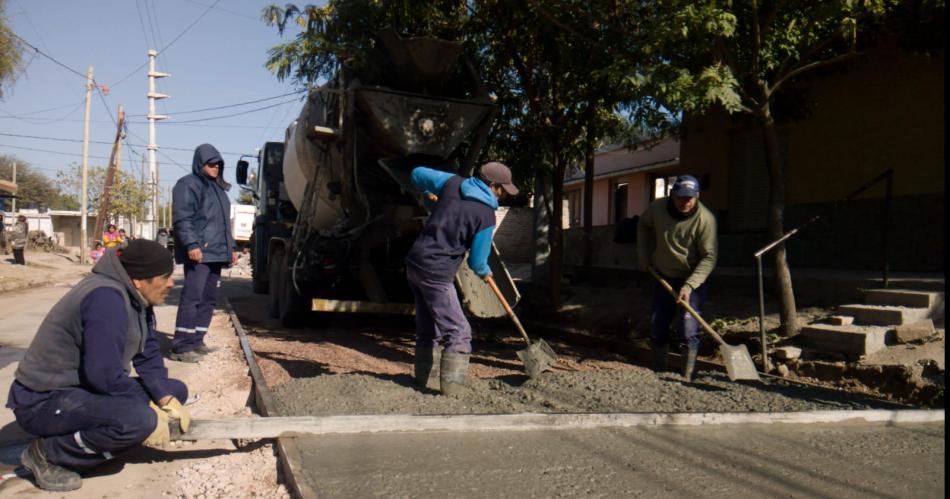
pixel 3 236
pixel 73 389
pixel 204 244
pixel 676 236
pixel 111 237
pixel 124 238
pixel 21 231
pixel 97 252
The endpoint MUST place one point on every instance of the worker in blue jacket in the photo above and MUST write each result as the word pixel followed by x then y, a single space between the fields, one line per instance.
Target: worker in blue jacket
pixel 204 244
pixel 462 219
pixel 74 390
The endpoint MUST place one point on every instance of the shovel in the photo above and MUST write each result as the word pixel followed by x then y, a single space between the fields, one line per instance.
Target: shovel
pixel 539 355
pixel 736 358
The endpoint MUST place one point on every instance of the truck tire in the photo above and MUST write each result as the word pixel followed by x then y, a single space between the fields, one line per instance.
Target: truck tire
pixel 291 305
pixel 258 282
pixel 275 272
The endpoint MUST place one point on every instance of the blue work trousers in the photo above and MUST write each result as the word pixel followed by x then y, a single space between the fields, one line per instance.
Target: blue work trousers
pixel 199 294
pixel 439 316
pixel 81 429
pixel 665 311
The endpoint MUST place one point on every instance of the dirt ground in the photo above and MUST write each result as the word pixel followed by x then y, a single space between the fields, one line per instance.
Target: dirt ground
pixel 41 269
pixel 909 373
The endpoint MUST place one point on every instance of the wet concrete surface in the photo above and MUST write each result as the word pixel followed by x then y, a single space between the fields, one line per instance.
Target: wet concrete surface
pixel 866 461
pixel 634 389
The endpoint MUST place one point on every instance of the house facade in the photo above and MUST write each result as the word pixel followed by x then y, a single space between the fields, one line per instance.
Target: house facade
pixel 883 112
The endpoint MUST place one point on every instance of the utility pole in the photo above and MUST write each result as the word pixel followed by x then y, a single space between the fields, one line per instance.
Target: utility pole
pixel 83 199
pixel 103 213
pixel 151 208
pixel 14 183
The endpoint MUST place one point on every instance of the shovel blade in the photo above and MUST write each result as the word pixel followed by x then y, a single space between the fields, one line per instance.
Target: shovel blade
pixel 738 362
pixel 536 358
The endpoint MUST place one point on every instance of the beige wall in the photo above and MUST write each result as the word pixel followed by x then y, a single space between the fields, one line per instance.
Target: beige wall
pixel 637 197
pixel 884 113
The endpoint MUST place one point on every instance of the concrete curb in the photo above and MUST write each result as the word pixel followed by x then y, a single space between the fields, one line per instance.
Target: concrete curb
pixel 288 455
pixel 309 426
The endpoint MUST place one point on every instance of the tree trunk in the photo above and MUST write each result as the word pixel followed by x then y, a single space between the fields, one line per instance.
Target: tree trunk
pixel 542 224
pixel 556 231
pixel 776 226
pixel 589 200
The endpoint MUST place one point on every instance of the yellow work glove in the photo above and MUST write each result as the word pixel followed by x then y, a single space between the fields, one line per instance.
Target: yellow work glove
pixel 160 436
pixel 175 410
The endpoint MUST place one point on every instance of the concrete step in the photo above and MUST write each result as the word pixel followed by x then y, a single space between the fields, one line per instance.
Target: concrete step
pixel 884 315
pixel 850 340
pixel 904 298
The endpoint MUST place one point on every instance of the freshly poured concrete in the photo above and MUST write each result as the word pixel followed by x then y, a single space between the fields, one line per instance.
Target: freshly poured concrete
pixel 859 461
pixel 621 390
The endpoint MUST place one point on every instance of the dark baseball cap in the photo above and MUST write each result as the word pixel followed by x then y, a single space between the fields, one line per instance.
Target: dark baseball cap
pixel 497 173
pixel 686 186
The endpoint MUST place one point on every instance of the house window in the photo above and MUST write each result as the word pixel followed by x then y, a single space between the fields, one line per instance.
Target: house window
pixel 662 187
pixel 574 208
pixel 620 202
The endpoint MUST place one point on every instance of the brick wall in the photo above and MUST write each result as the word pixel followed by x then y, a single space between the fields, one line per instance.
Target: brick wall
pixel 514 233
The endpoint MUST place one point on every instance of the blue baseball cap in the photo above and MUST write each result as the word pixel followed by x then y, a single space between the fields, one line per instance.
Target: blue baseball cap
pixel 686 186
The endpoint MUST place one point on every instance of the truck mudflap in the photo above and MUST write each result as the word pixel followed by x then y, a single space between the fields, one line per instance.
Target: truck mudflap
pixel 477 297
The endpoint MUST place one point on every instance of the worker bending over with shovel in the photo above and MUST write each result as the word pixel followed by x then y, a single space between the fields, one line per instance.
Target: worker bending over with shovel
pixel 73 388
pixel 462 218
pixel 676 235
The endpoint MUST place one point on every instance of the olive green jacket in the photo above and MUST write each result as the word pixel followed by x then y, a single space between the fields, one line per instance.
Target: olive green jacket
pixel 681 249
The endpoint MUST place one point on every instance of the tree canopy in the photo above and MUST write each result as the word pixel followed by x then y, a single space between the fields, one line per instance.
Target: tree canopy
pixel 11 51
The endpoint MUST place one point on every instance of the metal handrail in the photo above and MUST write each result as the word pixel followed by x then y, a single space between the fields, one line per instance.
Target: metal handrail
pixel 888 177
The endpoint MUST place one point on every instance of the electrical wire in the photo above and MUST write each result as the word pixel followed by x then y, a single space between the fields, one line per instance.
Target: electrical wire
pixel 176 113
pixel 51 58
pixel 166 47
pixel 226 115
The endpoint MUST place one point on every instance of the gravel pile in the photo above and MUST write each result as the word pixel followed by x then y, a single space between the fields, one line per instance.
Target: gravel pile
pixel 621 390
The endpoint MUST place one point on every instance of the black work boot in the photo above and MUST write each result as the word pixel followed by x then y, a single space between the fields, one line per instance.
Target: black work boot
pixel 660 357
pixel 427 367
pixel 690 364
pixel 454 368
pixel 48 475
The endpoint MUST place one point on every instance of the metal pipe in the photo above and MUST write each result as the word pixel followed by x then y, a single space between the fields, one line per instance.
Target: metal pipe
pixel 765 348
pixel 758 254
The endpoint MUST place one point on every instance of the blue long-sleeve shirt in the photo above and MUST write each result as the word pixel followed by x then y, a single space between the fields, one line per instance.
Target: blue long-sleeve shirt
pixel 462 219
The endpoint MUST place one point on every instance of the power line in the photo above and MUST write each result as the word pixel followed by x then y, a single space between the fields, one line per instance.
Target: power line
pixel 63 139
pixel 166 47
pixel 51 152
pixel 229 105
pixel 44 54
pixel 228 115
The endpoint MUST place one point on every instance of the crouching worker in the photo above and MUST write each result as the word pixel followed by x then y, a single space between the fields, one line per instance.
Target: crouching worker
pixel 73 388
pixel 462 218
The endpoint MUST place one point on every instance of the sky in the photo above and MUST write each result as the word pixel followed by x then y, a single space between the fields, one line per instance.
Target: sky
pixel 215 53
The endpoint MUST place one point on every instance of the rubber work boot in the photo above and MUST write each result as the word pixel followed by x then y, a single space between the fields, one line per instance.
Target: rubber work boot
pixel 205 349
pixel 453 372
pixel 660 357
pixel 690 364
pixel 191 356
pixel 48 475
pixel 427 367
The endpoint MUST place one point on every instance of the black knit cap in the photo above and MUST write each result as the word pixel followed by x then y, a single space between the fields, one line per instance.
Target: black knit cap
pixel 143 259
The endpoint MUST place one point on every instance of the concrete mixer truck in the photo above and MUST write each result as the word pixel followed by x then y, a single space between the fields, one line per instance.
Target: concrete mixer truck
pixel 336 212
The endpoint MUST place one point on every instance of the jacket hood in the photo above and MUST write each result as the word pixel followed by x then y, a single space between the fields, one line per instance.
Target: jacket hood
pixel 207 153
pixel 474 189
pixel 110 266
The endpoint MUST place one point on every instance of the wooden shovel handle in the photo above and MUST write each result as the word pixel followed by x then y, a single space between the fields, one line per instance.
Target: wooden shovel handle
pixel 511 313
pixel 688 308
